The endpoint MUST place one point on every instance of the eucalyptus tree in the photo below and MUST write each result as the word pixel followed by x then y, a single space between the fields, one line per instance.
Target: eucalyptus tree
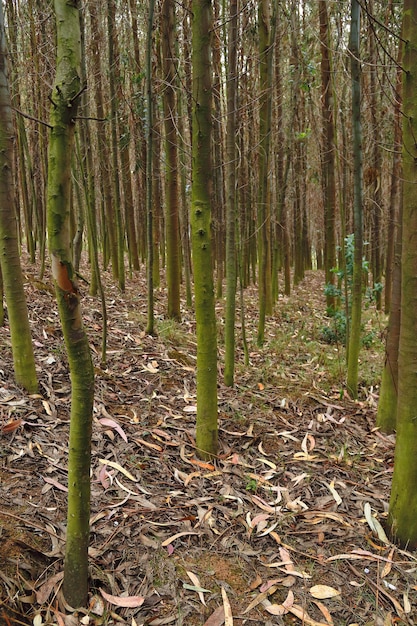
pixel 64 103
pixel 356 307
pixel 328 150
pixel 11 272
pixel 149 170
pixel 113 50
pixel 402 517
pixel 266 48
pixel 171 156
pixel 231 196
pixel 201 239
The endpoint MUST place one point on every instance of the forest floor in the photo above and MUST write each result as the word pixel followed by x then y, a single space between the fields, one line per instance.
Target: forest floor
pixel 285 527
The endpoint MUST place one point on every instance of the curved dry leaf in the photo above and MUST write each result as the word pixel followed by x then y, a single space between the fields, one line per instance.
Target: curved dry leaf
pixel 166 542
pixel 216 618
pixel 105 421
pixel 281 609
pixel 325 611
pixel 127 601
pixel 228 617
pixel 299 612
pixel 118 467
pixel 197 586
pixel 321 592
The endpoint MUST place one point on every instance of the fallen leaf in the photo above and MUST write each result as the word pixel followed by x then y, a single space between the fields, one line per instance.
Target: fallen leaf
pixel 321 592
pixel 260 598
pixel 334 493
pixel 228 617
pixel 105 421
pixel 166 542
pixel 325 611
pixel 216 618
pixel 119 468
pixel 281 609
pixel 197 586
pixel 55 483
pixel 11 426
pixel 299 612
pixel 43 593
pixel 124 601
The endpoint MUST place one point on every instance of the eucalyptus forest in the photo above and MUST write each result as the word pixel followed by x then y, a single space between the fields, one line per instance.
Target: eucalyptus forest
pixel 208 284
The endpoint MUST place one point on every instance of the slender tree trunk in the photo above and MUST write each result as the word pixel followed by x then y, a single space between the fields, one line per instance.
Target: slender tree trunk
pixel 266 41
pixel 113 77
pixel 109 234
pixel 206 428
pixel 231 267
pixel 394 191
pixel 23 357
pixel 376 168
pixel 149 162
pixel 402 518
pixel 388 396
pixel 64 99
pixel 328 152
pixel 356 309
pixel 171 152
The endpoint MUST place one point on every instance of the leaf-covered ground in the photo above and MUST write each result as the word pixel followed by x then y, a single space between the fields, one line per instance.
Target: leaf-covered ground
pixel 285 527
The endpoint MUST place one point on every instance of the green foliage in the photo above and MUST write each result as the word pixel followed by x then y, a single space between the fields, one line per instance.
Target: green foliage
pixel 336 331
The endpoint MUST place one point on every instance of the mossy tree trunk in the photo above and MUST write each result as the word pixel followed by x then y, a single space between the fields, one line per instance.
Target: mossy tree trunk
pixel 207 429
pixel 23 357
pixel 65 96
pixel 171 153
pixel 356 307
pixel 402 517
pixel 231 265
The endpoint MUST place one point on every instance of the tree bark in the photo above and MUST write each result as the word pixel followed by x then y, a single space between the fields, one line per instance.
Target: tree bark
pixel 231 267
pixel 23 357
pixel 65 96
pixel 402 518
pixel 171 152
pixel 206 427
pixel 356 307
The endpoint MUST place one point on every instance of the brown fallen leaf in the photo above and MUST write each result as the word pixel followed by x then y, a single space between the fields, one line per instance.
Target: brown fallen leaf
pixel 44 591
pixel 280 609
pixel 322 592
pixel 11 426
pixel 124 601
pixel 216 618
pixel 166 542
pixel 299 612
pixel 228 617
pixel 325 611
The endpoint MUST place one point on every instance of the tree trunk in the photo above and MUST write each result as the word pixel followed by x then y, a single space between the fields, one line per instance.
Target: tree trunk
pixel 388 396
pixel 149 162
pixel 64 99
pixel 171 152
pixel 356 307
pixel 23 357
pixel 206 433
pixel 328 153
pixel 113 77
pixel 266 42
pixel 231 268
pixel 402 519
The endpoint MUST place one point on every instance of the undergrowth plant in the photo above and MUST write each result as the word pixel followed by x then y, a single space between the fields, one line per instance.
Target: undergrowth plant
pixel 336 332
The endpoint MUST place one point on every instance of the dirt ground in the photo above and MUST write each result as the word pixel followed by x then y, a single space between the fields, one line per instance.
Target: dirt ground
pixel 285 527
